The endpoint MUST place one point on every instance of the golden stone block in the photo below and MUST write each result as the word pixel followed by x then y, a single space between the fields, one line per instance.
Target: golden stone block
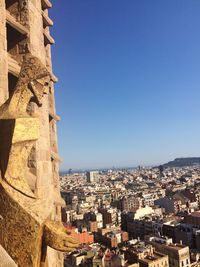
pixel 26 129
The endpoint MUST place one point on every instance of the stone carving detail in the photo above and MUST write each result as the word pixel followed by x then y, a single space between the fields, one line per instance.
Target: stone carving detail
pixel 26 229
pixel 23 48
pixel 23 11
pixel 18 129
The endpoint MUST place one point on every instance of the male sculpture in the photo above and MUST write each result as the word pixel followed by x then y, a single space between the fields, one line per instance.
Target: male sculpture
pixel 26 228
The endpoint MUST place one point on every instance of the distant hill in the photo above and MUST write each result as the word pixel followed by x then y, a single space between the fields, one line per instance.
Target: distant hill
pixel 183 162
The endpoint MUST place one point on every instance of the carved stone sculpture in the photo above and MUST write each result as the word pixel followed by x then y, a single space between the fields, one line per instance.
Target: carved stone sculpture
pixel 26 228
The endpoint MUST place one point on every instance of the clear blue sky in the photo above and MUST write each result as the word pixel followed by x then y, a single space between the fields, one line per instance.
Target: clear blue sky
pixel 129 81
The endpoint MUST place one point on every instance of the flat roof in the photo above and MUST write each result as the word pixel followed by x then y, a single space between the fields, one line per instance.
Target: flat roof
pixel 156 256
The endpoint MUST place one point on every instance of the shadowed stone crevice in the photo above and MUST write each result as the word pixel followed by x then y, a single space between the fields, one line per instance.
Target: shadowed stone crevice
pixel 6 135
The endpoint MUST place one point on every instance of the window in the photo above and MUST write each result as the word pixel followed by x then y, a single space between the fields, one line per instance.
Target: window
pixel 14 39
pixel 12 7
pixel 12 81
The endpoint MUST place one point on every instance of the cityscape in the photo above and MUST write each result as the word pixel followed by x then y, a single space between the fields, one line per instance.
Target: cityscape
pixel 86 85
pixel 140 217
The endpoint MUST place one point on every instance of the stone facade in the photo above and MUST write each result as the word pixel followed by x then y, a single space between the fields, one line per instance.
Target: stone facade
pixel 24 28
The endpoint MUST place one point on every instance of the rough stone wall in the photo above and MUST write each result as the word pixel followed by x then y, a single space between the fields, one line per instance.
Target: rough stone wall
pixel 5 259
pixel 44 160
pixel 44 175
pixel 3 55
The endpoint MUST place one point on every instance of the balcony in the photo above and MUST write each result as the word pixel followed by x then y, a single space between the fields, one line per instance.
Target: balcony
pixel 11 21
pixel 53 116
pixel 46 20
pixel 46 4
pixel 54 78
pixel 16 37
pixel 55 156
pixel 12 7
pixel 48 39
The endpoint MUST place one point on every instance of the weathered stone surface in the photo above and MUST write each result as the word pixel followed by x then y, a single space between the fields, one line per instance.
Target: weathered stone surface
pixel 20 232
pixel 27 228
pixel 17 129
pixel 26 129
pixel 5 259
pixel 43 181
pixel 55 236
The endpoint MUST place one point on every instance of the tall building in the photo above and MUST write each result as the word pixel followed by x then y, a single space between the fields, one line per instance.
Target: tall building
pixel 146 256
pixel 24 28
pixel 178 254
pixel 130 203
pixel 92 177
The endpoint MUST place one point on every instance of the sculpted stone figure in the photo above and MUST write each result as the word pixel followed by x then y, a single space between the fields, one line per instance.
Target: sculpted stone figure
pixel 26 228
pixel 18 129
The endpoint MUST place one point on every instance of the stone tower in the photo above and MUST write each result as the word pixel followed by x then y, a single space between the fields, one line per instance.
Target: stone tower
pixel 24 28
